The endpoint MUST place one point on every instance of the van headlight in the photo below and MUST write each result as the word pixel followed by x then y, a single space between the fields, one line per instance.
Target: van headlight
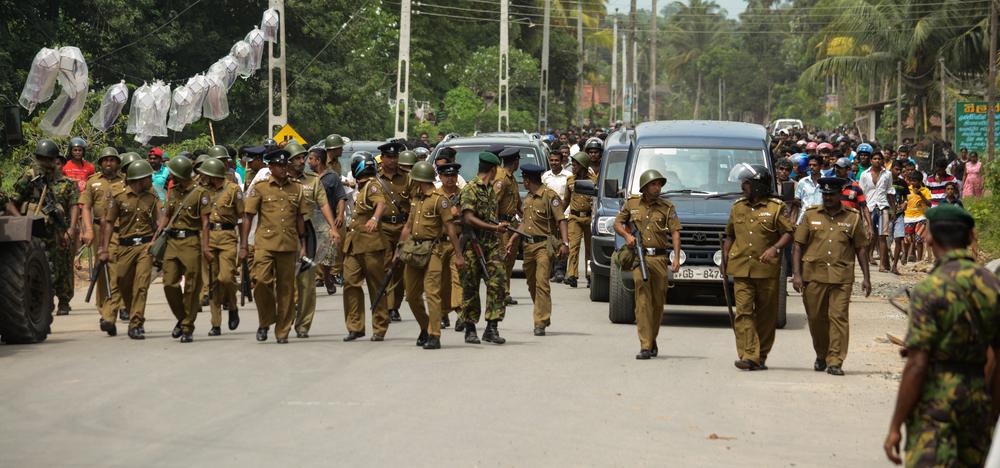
pixel 606 225
pixel 684 257
pixel 717 258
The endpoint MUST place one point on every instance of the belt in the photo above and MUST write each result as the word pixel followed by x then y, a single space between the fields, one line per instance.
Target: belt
pixel 655 252
pixel 132 241
pixel 968 368
pixel 422 241
pixel 394 219
pixel 181 233
pixel 506 218
pixel 221 226
pixel 97 221
pixel 582 214
pixel 445 238
pixel 534 239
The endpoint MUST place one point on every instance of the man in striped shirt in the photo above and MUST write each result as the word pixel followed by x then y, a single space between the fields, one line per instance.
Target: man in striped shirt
pixel 938 182
pixel 851 195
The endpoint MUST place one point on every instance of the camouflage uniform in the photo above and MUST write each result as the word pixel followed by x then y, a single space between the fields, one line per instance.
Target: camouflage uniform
pixel 26 193
pixel 480 198
pixel 954 317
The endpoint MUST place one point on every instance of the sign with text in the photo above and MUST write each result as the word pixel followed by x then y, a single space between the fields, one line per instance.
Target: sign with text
pixel 970 125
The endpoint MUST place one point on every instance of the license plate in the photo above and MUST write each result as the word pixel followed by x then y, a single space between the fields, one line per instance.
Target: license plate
pixel 698 273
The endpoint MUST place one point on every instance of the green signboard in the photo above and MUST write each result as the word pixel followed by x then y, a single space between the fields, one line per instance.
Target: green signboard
pixel 971 123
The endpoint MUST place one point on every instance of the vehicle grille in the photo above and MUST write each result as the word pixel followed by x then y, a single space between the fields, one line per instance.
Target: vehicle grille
pixel 700 242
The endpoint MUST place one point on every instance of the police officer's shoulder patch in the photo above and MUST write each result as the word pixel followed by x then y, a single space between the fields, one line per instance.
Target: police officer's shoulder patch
pixel 372 188
pixel 239 195
pixel 555 201
pixel 444 203
pixel 498 186
pixel 204 200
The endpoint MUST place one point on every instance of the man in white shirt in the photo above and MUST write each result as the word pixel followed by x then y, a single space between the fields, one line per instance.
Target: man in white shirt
pixel 807 189
pixel 556 179
pixel 446 156
pixel 876 182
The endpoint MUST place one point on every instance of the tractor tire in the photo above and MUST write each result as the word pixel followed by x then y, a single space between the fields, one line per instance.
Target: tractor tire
pixel 25 291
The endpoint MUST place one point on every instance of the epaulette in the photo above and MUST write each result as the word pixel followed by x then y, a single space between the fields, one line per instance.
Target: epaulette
pixel 814 208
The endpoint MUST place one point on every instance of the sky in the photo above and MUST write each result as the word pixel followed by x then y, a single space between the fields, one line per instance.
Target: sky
pixel 733 7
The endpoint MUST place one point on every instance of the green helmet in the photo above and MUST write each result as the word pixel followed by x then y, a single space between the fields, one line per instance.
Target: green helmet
pixel 333 141
pixel 181 167
pixel 138 169
pixel 582 159
pixel 422 171
pixel 294 149
pixel 109 152
pixel 218 152
pixel 407 158
pixel 47 149
pixel 129 158
pixel 650 176
pixel 77 142
pixel 213 168
pixel 201 160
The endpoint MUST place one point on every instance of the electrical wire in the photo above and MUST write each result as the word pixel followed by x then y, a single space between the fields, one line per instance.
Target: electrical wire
pixel 150 33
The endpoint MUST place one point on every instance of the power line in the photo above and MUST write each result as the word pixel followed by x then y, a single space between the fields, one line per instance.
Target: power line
pixel 150 33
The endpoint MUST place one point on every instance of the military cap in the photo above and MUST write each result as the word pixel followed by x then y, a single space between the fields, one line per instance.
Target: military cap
pixel 489 158
pixel 280 156
pixel 510 153
pixel 449 169
pixel 844 162
pixel 949 212
pixel 333 141
pixel 495 149
pixel 831 184
pixel 533 170
pixel 392 148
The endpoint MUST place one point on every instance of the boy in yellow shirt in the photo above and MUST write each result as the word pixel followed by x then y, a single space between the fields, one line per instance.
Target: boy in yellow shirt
pixel 917 202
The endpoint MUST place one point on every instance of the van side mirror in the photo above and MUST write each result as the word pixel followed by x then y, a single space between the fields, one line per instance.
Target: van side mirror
pixel 585 187
pixel 611 188
pixel 788 191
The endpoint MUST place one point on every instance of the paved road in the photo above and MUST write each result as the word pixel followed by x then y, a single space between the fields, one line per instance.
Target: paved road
pixel 576 397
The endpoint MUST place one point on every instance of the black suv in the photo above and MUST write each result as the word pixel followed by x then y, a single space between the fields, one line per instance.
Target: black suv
pixel 695 157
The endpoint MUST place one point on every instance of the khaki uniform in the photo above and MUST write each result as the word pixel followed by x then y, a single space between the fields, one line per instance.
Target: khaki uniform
pixel 95 196
pixel 508 206
pixel 183 254
pixel 364 263
pixel 305 284
pixel 755 226
pixel 578 227
pixel 226 214
pixel 828 252
pixel 133 218
pixel 391 226
pixel 276 250
pixel 541 211
pixel 657 220
pixel 428 218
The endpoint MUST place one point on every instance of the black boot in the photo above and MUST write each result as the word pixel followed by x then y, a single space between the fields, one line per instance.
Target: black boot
pixel 491 334
pixel 186 338
pixel 422 339
pixel 509 301
pixel 459 324
pixel 64 307
pixel 351 336
pixel 234 318
pixel 445 322
pixel 176 332
pixel 433 342
pixel 136 334
pixel 215 331
pixel 470 334
pixel 123 314
pixel 394 315
pixel 261 334
pixel 571 282
pixel 109 328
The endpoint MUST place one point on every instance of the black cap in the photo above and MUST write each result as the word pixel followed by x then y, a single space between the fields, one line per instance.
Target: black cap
pixel 392 148
pixel 278 157
pixel 512 153
pixel 949 212
pixel 495 149
pixel 532 170
pixel 831 184
pixel 449 169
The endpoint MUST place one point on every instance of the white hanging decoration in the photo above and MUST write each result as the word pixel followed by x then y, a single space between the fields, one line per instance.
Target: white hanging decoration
pixel 216 103
pixel 198 86
pixel 180 108
pixel 72 71
pixel 111 107
pixel 73 79
pixel 41 79
pixel 226 70
pixel 241 51
pixel 269 25
pixel 256 40
pixel 161 109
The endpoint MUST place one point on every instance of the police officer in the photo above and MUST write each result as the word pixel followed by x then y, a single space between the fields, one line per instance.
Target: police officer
pixel 595 150
pixel 133 214
pixel 945 393
pixel 181 223
pixel 94 202
pixel 127 159
pixel 509 207
pixel 395 187
pixel 756 233
pixel 579 210
pixel 315 195
pixel 451 298
pixel 334 145
pixel 219 240
pixel 43 190
pixel 482 231
pixel 282 205
pixel 827 241
pixel 365 250
pixel 430 222
pixel 541 212
pixel 657 223
pixel 407 159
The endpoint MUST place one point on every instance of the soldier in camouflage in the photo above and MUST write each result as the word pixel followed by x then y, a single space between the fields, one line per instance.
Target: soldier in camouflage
pixel 43 190
pixel 946 398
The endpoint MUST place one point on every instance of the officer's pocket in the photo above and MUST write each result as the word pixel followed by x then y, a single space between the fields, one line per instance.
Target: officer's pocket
pixel 659 221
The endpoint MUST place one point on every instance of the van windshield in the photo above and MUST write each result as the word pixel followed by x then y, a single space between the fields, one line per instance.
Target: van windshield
pixel 703 171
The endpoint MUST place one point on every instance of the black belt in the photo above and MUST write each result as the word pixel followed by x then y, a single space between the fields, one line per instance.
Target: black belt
pixel 181 233
pixel 395 219
pixel 534 239
pixel 422 241
pixel 968 368
pixel 97 221
pixel 504 218
pixel 221 226
pixel 654 252
pixel 582 214
pixel 133 241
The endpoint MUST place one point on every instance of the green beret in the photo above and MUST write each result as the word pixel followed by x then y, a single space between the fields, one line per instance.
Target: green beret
pixel 489 158
pixel 949 212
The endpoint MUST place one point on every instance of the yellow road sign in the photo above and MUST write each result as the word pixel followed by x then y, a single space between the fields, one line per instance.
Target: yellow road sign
pixel 288 133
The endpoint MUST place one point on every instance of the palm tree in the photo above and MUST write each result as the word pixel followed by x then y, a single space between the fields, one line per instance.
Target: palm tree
pixel 691 30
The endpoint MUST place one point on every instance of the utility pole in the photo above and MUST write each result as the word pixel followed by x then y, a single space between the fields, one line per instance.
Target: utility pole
pixel 402 107
pixel 626 99
pixel 276 121
pixel 991 118
pixel 503 107
pixel 635 81
pixel 652 65
pixel 630 73
pixel 720 99
pixel 614 71
pixel 944 109
pixel 579 64
pixel 543 95
pixel 899 103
